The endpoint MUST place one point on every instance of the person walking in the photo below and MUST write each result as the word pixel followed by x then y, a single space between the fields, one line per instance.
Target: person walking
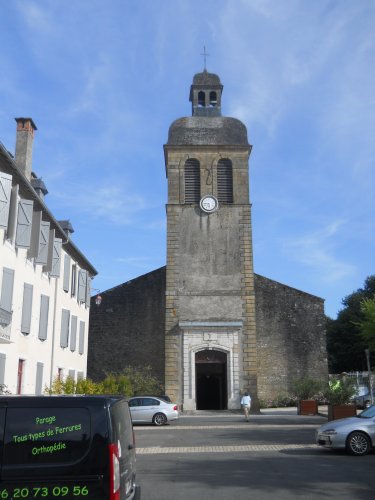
pixel 246 405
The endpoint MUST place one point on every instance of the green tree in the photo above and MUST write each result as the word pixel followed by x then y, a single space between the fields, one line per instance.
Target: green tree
pixel 345 342
pixel 367 325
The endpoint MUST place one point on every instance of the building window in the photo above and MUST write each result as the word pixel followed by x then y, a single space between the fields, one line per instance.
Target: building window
pixel 60 374
pixel 192 181
pixel 225 181
pixel 21 366
pixel 213 99
pixel 74 280
pixel 201 99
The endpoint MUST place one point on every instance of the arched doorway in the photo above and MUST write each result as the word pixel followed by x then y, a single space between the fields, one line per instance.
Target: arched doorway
pixel 211 380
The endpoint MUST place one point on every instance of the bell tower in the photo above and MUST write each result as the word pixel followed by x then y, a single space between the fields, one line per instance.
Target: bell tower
pixel 210 337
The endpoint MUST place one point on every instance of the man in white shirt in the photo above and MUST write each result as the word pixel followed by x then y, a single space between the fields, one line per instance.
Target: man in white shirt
pixel 246 404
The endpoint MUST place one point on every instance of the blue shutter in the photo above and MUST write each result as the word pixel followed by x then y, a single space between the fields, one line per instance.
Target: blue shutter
pixel 56 258
pixel 72 374
pixel 24 221
pixel 64 334
pixel 43 317
pixel 42 253
pixel 2 367
pixel 88 290
pixel 39 378
pixel 5 189
pixel 7 289
pixel 73 333
pixel 81 344
pixel 82 283
pixel 66 273
pixel 26 308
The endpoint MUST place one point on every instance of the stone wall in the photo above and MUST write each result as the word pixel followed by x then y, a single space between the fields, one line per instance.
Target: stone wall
pixel 127 329
pixel 290 335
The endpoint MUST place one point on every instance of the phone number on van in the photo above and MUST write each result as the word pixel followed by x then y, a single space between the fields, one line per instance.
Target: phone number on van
pixel 53 491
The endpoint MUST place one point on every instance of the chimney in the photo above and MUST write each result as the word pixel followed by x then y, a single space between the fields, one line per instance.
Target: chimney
pixel 67 227
pixel 39 186
pixel 24 145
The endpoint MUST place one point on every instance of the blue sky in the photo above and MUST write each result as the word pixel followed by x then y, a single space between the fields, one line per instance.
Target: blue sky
pixel 104 79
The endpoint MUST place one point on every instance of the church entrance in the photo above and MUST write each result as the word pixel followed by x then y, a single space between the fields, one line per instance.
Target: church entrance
pixel 211 380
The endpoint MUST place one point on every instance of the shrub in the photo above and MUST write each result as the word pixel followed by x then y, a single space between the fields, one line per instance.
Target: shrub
pixel 306 388
pixel 340 391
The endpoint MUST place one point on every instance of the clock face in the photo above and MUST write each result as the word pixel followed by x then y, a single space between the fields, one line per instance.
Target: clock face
pixel 209 203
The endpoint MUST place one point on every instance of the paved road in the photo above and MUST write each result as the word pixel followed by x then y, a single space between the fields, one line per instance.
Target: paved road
pixel 273 456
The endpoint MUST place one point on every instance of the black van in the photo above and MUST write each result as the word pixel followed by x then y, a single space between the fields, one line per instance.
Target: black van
pixel 66 447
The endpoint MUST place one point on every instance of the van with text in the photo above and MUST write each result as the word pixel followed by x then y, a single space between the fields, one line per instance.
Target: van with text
pixel 67 447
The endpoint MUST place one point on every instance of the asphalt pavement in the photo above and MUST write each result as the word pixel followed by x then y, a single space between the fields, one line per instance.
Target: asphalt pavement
pixel 218 455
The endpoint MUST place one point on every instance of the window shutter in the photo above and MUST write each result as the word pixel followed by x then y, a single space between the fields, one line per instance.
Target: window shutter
pixel 43 317
pixel 74 280
pixel 26 308
pixel 88 290
pixel 81 345
pixel 192 181
pixel 80 376
pixel 39 378
pixel 7 289
pixel 24 221
pixel 2 367
pixel 56 258
pixel 64 334
pixel 73 333
pixel 72 374
pixel 13 210
pixel 225 181
pixel 42 255
pixel 66 273
pixel 5 189
pixel 82 282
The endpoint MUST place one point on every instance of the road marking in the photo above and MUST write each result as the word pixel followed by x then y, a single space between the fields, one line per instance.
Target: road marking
pixel 225 449
pixel 244 425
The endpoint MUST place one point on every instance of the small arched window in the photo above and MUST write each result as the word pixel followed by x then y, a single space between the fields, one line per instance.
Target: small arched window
pixel 225 181
pixel 192 181
pixel 201 99
pixel 213 99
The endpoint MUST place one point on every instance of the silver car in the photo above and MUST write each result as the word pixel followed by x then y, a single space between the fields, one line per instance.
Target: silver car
pixel 355 434
pixel 150 409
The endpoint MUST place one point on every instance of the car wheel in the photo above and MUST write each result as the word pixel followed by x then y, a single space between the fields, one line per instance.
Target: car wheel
pixel 159 419
pixel 358 443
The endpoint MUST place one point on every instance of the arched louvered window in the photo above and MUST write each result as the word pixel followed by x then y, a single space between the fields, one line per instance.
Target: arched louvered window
pixel 213 99
pixel 225 181
pixel 201 99
pixel 192 181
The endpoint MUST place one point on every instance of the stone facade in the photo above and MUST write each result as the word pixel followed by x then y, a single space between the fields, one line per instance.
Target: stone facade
pixel 128 327
pixel 218 328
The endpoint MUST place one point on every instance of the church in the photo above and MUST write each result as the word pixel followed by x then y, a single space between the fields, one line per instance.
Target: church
pixel 206 324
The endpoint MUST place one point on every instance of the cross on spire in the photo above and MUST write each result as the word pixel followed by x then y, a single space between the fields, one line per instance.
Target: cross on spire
pixel 204 54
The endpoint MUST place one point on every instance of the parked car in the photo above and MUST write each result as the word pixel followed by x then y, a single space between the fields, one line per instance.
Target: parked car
pixel 67 446
pixel 364 400
pixel 355 434
pixel 150 409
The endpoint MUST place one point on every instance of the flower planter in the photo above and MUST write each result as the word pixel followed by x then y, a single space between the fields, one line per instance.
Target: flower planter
pixel 341 411
pixel 307 407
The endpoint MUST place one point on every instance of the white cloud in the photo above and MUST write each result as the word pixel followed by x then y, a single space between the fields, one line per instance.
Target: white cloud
pixel 318 252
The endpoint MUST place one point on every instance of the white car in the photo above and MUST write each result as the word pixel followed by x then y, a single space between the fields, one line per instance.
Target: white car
pixel 150 409
pixel 355 434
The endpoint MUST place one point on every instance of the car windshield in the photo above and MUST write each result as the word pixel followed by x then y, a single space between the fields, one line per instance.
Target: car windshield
pixel 368 412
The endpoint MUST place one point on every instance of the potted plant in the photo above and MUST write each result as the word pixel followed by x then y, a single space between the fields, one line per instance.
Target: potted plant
pixel 306 390
pixel 339 393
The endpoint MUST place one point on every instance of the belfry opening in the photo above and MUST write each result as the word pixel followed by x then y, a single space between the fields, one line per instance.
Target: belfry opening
pixel 211 380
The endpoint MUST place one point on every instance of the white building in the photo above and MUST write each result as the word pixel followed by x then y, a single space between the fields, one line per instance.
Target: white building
pixel 44 280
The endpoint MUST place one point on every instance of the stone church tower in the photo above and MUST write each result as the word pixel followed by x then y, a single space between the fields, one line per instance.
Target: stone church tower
pixel 208 326
pixel 210 337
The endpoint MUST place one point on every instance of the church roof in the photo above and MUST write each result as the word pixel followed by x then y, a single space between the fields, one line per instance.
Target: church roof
pixel 206 78
pixel 203 130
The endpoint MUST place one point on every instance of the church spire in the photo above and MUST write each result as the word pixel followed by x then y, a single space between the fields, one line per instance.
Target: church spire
pixel 205 93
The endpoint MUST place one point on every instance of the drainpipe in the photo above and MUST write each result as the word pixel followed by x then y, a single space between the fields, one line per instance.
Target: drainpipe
pixel 53 332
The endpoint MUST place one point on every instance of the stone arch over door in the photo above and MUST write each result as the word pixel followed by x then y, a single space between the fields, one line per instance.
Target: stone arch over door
pixel 211 375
